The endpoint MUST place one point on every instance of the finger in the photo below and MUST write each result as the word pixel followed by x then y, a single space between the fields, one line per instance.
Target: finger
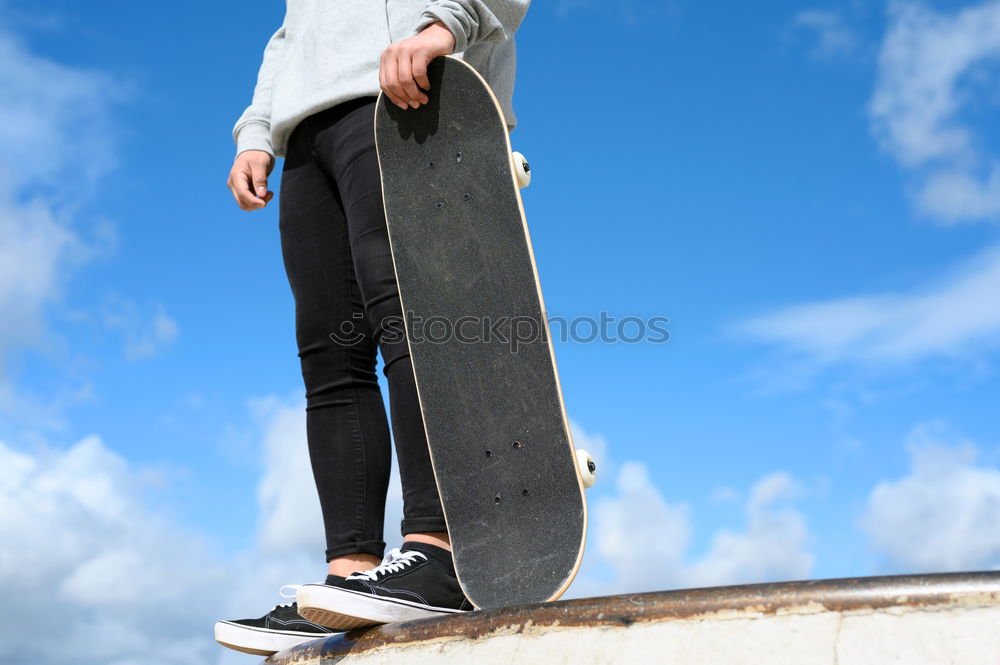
pixel 392 87
pixel 232 190
pixel 420 74
pixel 397 100
pixel 411 95
pixel 398 88
pixel 259 177
pixel 243 181
pixel 383 79
pixel 384 84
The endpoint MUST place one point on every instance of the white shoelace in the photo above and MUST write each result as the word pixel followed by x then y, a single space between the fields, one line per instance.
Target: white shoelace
pixel 290 593
pixel 393 562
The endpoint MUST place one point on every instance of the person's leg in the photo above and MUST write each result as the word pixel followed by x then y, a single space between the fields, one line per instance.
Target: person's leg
pixel 346 424
pixel 347 149
pixel 418 580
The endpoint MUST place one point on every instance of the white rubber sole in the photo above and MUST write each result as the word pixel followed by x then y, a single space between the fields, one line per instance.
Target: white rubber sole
pixel 341 609
pixel 259 641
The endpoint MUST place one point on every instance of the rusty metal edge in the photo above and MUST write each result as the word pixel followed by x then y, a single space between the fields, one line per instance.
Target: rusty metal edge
pixel 834 595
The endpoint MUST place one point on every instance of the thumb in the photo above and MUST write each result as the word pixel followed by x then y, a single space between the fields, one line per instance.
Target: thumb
pixel 259 176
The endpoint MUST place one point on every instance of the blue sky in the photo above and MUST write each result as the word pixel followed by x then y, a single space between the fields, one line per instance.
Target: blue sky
pixel 809 191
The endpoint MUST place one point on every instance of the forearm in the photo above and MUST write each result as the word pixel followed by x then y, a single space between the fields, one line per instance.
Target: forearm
pixel 476 21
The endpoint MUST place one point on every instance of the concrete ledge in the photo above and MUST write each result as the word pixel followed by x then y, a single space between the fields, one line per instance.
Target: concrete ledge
pixel 917 620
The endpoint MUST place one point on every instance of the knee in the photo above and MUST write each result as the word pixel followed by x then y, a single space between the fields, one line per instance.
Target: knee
pixel 335 370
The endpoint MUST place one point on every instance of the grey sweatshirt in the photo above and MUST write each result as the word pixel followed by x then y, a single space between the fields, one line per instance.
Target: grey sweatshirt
pixel 327 52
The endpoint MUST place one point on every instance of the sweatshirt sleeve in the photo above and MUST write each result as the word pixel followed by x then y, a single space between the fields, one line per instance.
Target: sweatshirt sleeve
pixel 476 21
pixel 253 129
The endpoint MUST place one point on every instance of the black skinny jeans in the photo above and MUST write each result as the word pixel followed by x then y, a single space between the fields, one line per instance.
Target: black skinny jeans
pixel 336 253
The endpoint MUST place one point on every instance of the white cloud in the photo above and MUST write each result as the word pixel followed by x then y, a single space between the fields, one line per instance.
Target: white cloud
pixel 956 316
pixel 645 540
pixel 942 516
pixel 56 138
pixel 36 252
pixel 290 516
pixel 923 87
pixel 956 195
pixel 639 541
pixel 771 546
pixel 54 123
pixel 833 36
pixel 639 535
pixel 926 62
pixel 80 549
pixel 145 334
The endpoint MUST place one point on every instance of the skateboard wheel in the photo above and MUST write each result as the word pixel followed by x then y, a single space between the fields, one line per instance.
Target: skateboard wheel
pixel 588 468
pixel 521 169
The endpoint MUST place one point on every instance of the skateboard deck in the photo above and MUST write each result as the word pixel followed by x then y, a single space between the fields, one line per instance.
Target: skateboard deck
pixel 493 411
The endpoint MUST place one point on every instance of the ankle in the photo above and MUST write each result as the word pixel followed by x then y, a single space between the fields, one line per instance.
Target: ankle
pixel 437 539
pixel 343 566
pixel 439 557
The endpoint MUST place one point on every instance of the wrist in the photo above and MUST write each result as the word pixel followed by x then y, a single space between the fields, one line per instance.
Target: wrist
pixel 441 35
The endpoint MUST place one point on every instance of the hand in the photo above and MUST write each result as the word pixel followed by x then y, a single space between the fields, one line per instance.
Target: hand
pixel 248 179
pixel 403 67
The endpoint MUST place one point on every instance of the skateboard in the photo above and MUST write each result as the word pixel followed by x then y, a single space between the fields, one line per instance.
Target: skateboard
pixel 510 480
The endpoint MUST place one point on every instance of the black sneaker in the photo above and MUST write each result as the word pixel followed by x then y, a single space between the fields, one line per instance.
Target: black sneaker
pixel 281 628
pixel 406 585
